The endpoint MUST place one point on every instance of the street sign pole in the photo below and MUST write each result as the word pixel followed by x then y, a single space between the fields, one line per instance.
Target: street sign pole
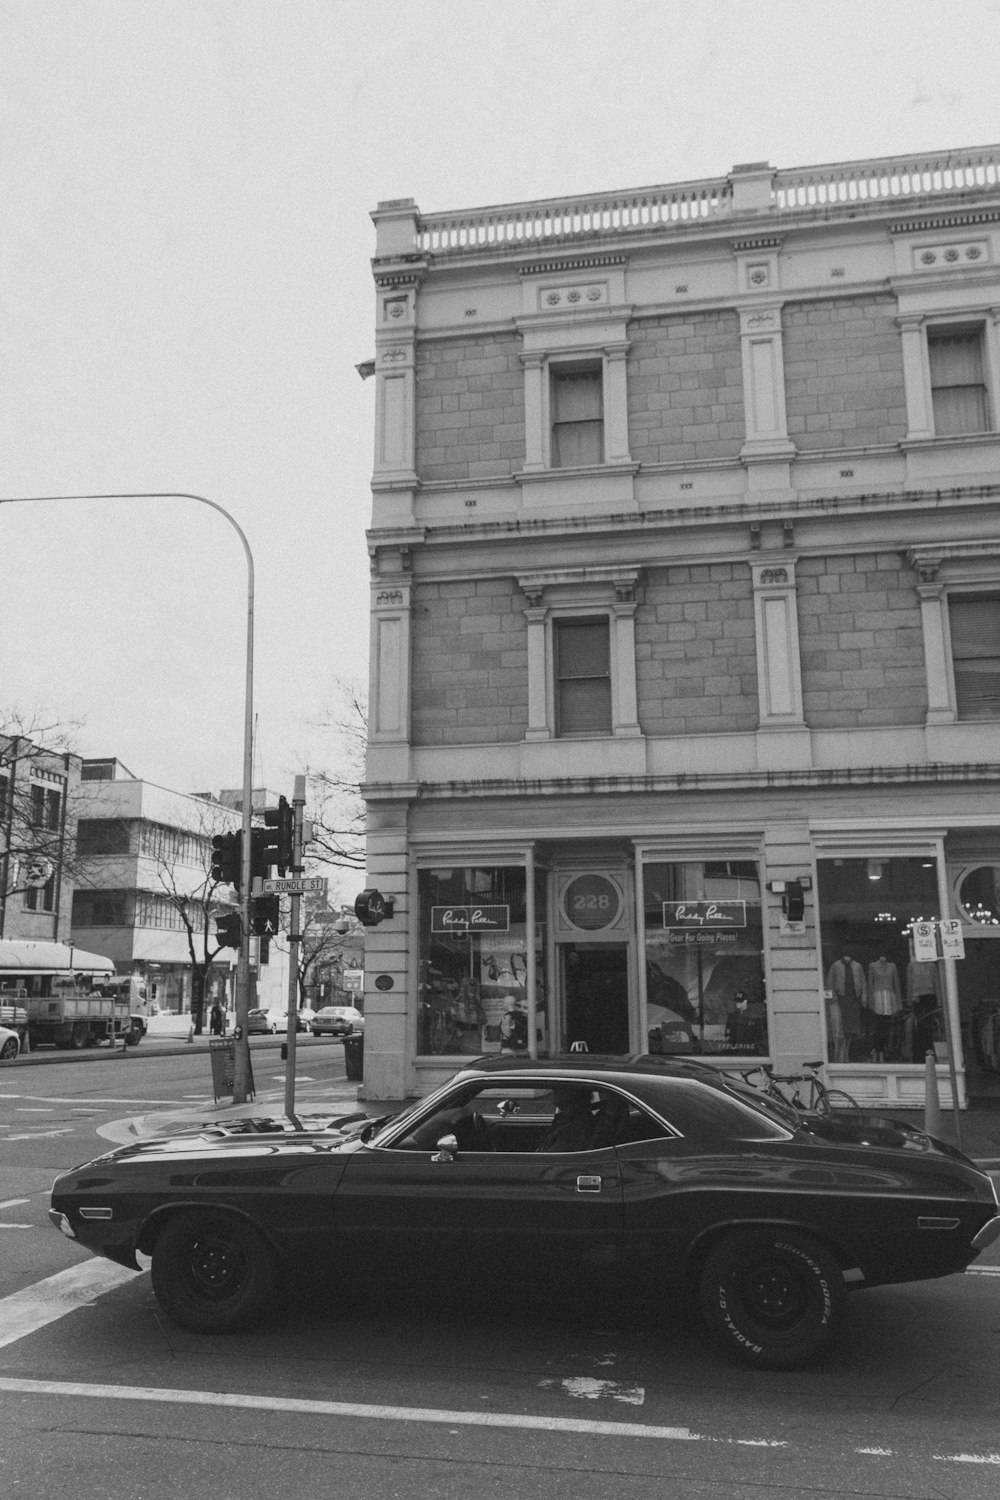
pixel 294 938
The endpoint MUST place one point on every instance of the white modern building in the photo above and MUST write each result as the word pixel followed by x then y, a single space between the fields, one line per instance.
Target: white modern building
pixel 145 852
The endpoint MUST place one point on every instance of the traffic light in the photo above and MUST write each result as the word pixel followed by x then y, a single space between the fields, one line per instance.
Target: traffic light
pixel 228 929
pixel 227 854
pixel 265 911
pixel 279 836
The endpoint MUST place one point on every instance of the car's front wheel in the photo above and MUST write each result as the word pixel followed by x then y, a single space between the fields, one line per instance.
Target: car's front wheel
pixel 773 1297
pixel 10 1049
pixel 212 1273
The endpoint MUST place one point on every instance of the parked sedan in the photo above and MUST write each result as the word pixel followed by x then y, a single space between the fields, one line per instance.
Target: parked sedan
pixel 337 1020
pixel 10 1044
pixel 652 1170
pixel 267 1022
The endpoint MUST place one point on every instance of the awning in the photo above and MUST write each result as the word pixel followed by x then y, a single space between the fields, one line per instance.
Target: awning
pixel 22 955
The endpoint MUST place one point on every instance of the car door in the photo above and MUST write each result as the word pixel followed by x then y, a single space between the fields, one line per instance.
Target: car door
pixel 469 1213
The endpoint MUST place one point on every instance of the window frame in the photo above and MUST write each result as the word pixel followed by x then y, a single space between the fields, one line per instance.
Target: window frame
pixel 565 369
pixel 959 593
pixel 958 327
pixel 558 622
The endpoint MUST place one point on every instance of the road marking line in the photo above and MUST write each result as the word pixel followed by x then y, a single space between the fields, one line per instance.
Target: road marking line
pixel 5 1225
pixel 982 1270
pixel 78 1286
pixel 346 1409
pixel 14 1202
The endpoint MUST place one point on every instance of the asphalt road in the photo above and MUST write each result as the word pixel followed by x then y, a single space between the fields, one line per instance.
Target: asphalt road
pixel 416 1391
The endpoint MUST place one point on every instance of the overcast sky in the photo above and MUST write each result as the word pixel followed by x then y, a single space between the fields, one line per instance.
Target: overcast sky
pixel 185 290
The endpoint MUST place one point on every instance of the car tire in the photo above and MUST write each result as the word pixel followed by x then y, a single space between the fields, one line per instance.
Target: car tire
pixel 773 1297
pixel 133 1036
pixel 80 1036
pixel 9 1050
pixel 212 1273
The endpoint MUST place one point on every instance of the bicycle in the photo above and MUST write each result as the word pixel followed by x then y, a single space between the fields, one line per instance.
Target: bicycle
pixel 785 1087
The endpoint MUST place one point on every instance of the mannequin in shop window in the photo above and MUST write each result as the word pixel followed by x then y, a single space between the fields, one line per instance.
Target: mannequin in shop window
pixel 848 995
pixel 923 991
pixel 885 1001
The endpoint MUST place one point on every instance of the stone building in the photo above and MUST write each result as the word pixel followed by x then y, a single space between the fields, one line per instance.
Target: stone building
pixel 39 806
pixel 685 625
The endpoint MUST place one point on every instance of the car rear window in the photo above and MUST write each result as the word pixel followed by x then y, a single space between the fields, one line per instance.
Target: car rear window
pixel 704 1111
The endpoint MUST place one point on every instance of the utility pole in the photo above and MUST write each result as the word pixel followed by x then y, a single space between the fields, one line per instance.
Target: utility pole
pixel 294 939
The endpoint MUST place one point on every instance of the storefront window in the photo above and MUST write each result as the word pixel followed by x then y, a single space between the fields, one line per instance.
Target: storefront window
pixel 881 1006
pixel 473 961
pixel 704 957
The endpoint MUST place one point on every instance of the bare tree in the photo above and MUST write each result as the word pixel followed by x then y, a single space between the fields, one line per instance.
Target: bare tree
pixel 323 929
pixel 197 902
pixel 40 801
pixel 336 806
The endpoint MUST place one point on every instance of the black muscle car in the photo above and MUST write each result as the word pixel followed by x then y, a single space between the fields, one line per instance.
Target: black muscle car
pixel 567 1167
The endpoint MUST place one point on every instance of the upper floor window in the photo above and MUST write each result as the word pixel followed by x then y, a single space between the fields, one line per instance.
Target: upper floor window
pixel 46 804
pixel 958 380
pixel 582 671
pixel 42 897
pixel 577 416
pixel 102 836
pixel 975 654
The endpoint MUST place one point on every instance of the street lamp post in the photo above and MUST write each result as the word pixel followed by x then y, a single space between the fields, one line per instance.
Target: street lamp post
pixel 241 1070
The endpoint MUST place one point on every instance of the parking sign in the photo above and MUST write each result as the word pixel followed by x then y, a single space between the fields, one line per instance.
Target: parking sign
pixel 952 939
pixel 925 941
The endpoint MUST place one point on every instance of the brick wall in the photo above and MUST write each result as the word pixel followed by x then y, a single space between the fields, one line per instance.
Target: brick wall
pixel 843 373
pixel 696 660
pixel 470 663
pixel 469 408
pixel 685 388
pixel 861 641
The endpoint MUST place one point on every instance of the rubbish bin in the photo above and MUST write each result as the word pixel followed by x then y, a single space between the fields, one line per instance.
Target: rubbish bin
pixel 354 1056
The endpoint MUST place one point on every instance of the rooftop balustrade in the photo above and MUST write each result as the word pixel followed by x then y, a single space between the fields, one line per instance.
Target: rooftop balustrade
pixel 756 191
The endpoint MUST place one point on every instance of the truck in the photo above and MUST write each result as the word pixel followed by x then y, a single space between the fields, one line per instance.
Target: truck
pixel 74 1016
pixel 14 1011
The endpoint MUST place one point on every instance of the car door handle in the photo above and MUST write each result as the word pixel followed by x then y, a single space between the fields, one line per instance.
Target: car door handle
pixel 588 1184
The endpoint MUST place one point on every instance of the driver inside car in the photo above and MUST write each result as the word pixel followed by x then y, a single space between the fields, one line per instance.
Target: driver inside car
pixel 573 1124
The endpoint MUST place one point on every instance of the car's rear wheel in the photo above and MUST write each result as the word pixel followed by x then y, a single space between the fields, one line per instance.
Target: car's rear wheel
pixel 81 1032
pixel 212 1273
pixel 10 1049
pixel 773 1297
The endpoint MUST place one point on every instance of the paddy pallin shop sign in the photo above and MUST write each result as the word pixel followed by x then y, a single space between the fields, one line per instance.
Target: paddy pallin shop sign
pixel 708 922
pixel 467 920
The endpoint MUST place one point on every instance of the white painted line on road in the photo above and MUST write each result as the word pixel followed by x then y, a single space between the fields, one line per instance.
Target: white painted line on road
pixel 34 1109
pixel 982 1270
pixel 57 1099
pixel 64 1389
pixel 40 1135
pixel 78 1286
pixel 6 1225
pixel 523 1421
pixel 14 1202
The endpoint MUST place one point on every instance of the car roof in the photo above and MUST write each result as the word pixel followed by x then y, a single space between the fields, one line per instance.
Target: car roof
pixel 585 1064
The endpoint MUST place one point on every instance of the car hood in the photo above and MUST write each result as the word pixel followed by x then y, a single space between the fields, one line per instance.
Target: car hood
pixel 262 1138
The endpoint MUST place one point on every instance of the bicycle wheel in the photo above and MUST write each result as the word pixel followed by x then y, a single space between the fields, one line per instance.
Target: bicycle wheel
pixel 836 1101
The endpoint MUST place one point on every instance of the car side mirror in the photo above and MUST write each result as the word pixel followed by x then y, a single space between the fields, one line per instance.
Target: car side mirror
pixel 447 1148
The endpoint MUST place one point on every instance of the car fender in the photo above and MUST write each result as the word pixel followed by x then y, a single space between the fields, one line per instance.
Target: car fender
pixel 711 1234
pixel 155 1222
